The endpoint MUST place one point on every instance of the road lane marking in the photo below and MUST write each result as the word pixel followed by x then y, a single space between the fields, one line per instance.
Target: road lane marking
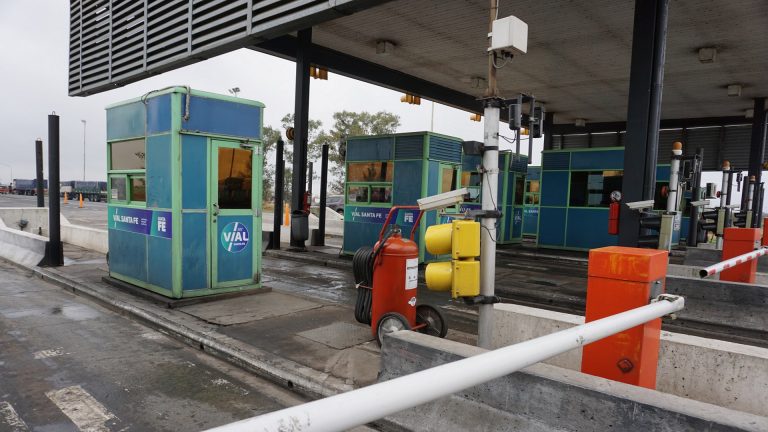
pixel 55 352
pixel 10 417
pixel 85 412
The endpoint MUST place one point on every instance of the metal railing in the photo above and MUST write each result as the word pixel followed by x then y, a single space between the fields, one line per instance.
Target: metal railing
pixel 733 262
pixel 361 406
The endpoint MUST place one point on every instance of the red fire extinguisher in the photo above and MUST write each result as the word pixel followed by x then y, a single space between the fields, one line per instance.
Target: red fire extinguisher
pixel 614 209
pixel 307 202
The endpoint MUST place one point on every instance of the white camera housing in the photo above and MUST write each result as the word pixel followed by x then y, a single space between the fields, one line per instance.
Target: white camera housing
pixel 443 200
pixel 640 205
pixel 509 34
pixel 700 203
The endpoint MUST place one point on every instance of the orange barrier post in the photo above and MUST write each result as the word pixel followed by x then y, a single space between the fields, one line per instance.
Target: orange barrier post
pixel 738 241
pixel 620 279
pixel 286 215
pixel 81 200
pixel 66 198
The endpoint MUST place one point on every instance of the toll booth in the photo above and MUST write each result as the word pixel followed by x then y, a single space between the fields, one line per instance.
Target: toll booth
pixel 531 201
pixel 575 194
pixel 387 170
pixel 184 172
pixel 512 173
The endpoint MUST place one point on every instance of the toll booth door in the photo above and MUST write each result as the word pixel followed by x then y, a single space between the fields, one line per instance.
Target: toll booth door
pixel 233 206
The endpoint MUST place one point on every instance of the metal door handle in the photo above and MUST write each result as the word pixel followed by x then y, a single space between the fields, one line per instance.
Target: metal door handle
pixel 215 209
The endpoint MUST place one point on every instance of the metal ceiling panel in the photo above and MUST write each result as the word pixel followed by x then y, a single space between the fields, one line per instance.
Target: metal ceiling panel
pixel 114 42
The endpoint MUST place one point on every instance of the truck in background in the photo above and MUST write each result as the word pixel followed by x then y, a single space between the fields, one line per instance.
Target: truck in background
pixel 26 187
pixel 91 190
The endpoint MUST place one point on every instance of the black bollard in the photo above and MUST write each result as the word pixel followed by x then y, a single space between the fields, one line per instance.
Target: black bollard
pixel 39 160
pixel 54 252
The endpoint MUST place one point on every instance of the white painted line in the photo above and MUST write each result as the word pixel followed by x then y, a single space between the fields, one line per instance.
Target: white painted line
pixel 10 417
pixel 85 412
pixel 55 352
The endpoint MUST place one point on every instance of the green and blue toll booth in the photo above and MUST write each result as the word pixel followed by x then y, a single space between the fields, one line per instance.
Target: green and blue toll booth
pixel 185 188
pixel 383 171
pixel 531 202
pixel 575 187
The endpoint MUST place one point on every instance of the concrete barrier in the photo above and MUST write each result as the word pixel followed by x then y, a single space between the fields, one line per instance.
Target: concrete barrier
pixel 544 397
pixel 21 247
pixel 37 218
pixel 726 374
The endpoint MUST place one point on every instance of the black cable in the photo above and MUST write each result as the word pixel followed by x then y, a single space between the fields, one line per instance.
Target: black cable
pixel 362 267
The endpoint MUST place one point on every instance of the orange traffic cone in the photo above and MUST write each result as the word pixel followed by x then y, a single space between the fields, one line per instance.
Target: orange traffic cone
pixel 81 200
pixel 66 198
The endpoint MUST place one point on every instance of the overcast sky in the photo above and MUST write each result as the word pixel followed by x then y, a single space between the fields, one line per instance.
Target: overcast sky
pixel 34 53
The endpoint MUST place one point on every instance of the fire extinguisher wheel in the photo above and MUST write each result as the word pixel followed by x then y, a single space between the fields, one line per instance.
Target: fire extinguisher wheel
pixel 390 322
pixel 434 320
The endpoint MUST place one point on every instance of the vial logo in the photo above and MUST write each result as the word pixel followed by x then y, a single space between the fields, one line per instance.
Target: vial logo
pixel 234 237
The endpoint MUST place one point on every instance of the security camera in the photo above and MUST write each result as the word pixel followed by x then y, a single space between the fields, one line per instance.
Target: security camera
pixel 443 200
pixel 640 205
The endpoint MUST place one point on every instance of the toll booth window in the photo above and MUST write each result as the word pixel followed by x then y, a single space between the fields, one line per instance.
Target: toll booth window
pixel 519 190
pixel 471 181
pixel 357 194
pixel 127 155
pixel 370 172
pixel 593 188
pixel 532 192
pixel 117 188
pixel 381 194
pixel 138 188
pixel 448 180
pixel 235 177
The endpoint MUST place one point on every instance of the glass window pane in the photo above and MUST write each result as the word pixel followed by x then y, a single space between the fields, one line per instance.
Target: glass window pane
pixel 118 188
pixel 519 190
pixel 370 172
pixel 381 194
pixel 138 188
pixel 357 194
pixel 448 182
pixel 532 186
pixel 470 179
pixel 127 155
pixel 593 189
pixel 235 176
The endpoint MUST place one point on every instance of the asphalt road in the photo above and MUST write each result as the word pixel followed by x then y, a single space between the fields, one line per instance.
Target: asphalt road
pixel 67 364
pixel 93 214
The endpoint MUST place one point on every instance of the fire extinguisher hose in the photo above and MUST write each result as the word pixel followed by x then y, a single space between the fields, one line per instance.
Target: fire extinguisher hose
pixel 362 267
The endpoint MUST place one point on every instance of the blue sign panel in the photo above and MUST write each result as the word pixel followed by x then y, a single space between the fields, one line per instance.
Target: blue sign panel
pixel 156 223
pixel 377 215
pixel 234 237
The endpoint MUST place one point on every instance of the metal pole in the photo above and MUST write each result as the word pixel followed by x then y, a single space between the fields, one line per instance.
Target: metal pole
pixel 54 252
pixel 347 410
pixel 320 240
pixel 278 211
pixel 723 200
pixel 490 185
pixel 674 172
pixel 549 119
pixel 300 129
pixel 643 113
pixel 83 149
pixel 310 177
pixel 733 262
pixel 40 180
pixel 757 155
pixel 693 227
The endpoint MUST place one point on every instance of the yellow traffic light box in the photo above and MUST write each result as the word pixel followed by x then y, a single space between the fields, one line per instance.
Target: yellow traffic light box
pixel 461 275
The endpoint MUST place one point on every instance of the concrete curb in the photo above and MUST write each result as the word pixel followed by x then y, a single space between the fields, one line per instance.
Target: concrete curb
pixel 311 258
pixel 292 375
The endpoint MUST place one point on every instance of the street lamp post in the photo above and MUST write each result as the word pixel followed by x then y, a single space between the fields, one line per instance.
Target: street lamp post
pixel 83 149
pixel 234 91
pixel 11 168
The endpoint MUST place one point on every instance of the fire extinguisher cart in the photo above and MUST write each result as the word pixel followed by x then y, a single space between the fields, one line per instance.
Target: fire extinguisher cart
pixel 387 276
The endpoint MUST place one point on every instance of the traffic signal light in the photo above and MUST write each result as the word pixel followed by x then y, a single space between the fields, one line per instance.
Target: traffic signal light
pixel 318 73
pixel 460 275
pixel 411 99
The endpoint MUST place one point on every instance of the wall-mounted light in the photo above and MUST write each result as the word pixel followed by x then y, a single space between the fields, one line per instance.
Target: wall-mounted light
pixel 707 55
pixel 580 122
pixel 475 117
pixel 385 47
pixel 318 73
pixel 734 90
